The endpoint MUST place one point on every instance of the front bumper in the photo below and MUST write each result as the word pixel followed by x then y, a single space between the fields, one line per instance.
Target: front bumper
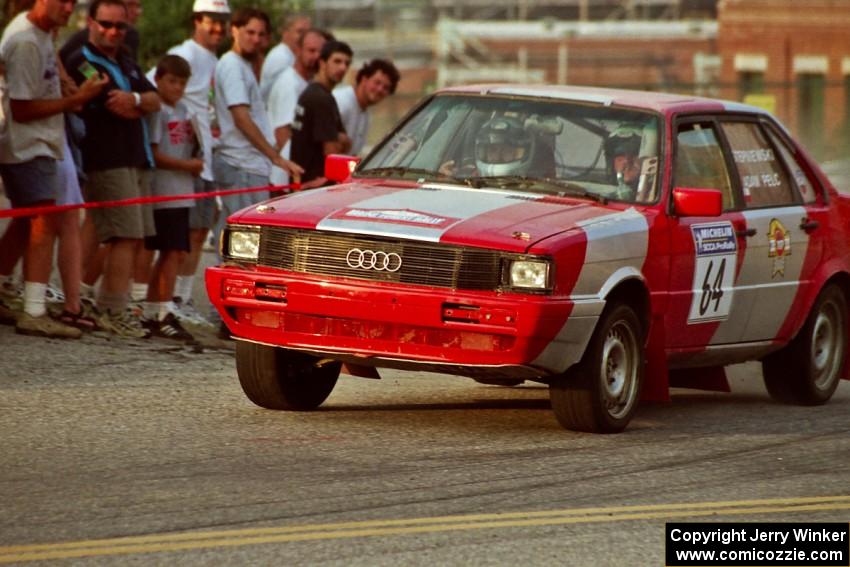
pixel 391 325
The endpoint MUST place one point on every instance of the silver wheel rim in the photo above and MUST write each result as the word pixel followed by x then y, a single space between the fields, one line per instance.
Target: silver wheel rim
pixel 827 345
pixel 619 374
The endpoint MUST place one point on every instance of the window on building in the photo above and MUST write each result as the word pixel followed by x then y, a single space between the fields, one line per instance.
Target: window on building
pixel 750 82
pixel 810 108
pixel 764 182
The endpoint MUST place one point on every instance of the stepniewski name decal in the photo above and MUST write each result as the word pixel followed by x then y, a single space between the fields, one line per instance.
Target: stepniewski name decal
pixel 394 216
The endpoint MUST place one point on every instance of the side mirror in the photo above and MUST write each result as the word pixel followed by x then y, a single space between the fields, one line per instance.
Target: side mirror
pixel 338 168
pixel 689 202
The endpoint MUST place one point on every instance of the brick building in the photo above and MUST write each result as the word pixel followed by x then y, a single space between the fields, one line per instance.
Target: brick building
pixel 795 57
pixel 790 56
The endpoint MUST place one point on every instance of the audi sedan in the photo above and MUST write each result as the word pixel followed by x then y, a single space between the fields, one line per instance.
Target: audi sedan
pixel 610 244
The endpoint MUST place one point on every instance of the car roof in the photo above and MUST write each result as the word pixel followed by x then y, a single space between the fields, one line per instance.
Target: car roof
pixel 665 103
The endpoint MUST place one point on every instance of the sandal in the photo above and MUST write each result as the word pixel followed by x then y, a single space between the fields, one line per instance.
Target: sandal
pixel 78 320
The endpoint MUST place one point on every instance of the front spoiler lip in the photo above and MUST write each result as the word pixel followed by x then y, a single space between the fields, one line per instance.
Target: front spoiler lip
pixel 470 370
pixel 539 321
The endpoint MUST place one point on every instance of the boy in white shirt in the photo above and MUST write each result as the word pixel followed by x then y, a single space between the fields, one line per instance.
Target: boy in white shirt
pixel 174 145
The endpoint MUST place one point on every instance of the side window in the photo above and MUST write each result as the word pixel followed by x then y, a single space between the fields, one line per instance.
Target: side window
pixel 699 161
pixel 805 185
pixel 764 181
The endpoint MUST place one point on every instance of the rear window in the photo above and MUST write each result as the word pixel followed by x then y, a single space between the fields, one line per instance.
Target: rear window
pixel 764 181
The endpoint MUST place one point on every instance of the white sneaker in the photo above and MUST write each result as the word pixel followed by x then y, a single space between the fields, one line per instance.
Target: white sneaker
pixel 186 312
pixel 53 295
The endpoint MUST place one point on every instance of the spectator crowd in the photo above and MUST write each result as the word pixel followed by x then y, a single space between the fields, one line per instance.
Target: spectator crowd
pixel 82 122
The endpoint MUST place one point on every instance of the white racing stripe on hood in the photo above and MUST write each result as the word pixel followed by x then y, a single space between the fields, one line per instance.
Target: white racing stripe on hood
pixel 416 214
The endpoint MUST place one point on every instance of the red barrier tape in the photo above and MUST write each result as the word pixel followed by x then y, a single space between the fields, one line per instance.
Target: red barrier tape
pixel 34 211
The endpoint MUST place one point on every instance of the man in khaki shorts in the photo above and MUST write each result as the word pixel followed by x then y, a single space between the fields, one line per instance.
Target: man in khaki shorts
pixel 116 157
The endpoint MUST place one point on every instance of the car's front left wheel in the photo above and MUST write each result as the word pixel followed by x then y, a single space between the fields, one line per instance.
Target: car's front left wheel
pixel 600 394
pixel 281 379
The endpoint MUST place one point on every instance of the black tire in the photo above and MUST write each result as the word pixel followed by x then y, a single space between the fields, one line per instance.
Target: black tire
pixel 807 371
pixel 600 394
pixel 280 379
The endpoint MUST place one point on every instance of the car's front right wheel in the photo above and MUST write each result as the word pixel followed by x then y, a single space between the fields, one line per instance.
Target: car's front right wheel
pixel 600 394
pixel 281 379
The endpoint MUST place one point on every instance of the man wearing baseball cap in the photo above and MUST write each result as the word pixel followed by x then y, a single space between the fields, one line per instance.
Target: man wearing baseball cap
pixel 209 27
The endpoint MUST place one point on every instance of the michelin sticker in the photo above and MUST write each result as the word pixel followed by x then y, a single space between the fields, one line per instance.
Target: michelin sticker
pixel 716 248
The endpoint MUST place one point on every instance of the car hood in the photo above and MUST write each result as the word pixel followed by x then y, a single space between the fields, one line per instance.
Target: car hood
pixel 434 213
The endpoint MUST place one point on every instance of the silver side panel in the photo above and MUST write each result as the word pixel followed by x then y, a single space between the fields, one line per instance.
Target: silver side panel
pixel 767 279
pixel 616 250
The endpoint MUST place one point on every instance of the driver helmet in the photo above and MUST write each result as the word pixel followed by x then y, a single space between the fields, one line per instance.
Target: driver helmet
pixel 624 140
pixel 503 147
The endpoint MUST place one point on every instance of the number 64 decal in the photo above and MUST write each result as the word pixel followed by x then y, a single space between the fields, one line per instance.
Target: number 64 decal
pixel 714 277
pixel 712 291
pixel 715 248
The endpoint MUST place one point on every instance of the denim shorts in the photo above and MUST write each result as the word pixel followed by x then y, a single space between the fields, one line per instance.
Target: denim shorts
pixel 231 177
pixel 31 182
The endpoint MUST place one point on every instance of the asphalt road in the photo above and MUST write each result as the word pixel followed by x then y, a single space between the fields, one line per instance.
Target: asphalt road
pixel 140 453
pixel 146 453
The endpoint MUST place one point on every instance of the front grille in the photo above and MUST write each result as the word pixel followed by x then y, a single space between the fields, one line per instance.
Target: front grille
pixel 423 263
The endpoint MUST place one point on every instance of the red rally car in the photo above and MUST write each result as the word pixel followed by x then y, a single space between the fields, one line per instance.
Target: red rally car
pixel 608 243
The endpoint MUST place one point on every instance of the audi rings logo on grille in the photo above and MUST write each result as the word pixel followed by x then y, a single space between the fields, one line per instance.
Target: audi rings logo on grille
pixel 377 260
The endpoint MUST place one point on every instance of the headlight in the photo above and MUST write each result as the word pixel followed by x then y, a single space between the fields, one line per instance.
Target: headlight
pixel 532 274
pixel 243 244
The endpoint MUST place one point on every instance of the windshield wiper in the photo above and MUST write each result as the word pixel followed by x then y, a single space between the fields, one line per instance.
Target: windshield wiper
pixel 398 170
pixel 561 187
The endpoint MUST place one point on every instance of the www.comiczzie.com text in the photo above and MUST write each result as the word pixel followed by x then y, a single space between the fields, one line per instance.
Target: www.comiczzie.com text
pixel 693 544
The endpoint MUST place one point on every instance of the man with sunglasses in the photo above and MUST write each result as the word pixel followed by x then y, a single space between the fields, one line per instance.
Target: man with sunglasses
pixel 131 36
pixel 116 156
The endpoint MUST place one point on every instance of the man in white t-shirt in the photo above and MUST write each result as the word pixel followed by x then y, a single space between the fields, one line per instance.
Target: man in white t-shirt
pixel 246 150
pixel 209 21
pixel 374 82
pixel 287 88
pixel 282 55
pixel 32 143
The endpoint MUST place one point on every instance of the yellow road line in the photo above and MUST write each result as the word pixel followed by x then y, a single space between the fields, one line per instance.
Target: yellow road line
pixel 372 528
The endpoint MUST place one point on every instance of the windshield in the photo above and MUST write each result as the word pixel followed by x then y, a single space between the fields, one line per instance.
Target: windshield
pixel 544 146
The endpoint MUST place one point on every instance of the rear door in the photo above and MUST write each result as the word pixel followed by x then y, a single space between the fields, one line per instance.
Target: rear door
pixel 781 211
